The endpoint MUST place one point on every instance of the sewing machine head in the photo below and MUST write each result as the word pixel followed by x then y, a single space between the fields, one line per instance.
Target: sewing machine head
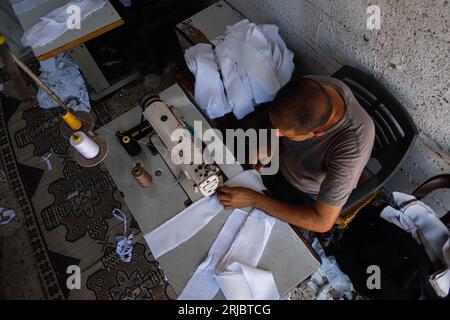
pixel 186 155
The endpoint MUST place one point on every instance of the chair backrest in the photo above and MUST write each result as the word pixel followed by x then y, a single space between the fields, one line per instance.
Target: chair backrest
pixel 394 128
pixel 439 182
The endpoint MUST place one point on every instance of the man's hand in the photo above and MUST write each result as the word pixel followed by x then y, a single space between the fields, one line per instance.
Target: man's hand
pixel 320 218
pixel 238 197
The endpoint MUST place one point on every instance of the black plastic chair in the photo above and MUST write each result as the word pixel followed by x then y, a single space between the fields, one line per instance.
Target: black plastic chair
pixel 394 128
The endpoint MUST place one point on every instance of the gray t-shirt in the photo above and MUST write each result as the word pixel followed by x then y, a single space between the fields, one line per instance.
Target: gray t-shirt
pixel 328 168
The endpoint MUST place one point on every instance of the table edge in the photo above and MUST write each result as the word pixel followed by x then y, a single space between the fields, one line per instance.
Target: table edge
pixel 81 40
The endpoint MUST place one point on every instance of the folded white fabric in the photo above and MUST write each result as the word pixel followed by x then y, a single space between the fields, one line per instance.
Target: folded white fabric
pixel 237 275
pixel 54 24
pixel 242 282
pixel 420 221
pixel 254 63
pixel 192 219
pixel 231 262
pixel 201 285
pixel 239 94
pixel 209 91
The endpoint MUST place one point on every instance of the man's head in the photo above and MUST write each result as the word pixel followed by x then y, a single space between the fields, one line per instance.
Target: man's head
pixel 301 110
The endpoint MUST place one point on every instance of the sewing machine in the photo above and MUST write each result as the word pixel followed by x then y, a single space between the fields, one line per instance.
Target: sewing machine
pixel 162 121
pixel 195 164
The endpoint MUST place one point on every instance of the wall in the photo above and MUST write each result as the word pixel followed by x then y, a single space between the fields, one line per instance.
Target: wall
pixel 410 54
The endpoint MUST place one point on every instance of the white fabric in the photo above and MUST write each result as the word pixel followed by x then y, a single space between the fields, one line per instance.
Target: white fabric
pixel 231 262
pixel 242 282
pixel 237 275
pixel 6 216
pixel 209 91
pixel 26 5
pixel 420 221
pixel 192 219
pixel 48 162
pixel 440 281
pixel 232 259
pixel 329 282
pixel 254 62
pixel 183 226
pixel 54 24
pixel 62 75
pixel 124 248
pixel 201 285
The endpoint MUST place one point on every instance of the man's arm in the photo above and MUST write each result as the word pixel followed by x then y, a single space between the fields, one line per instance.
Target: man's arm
pixel 321 218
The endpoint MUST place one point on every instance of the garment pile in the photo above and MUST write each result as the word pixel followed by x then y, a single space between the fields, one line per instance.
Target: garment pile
pixel 231 263
pixel 421 222
pixel 329 282
pixel 244 68
pixel 62 75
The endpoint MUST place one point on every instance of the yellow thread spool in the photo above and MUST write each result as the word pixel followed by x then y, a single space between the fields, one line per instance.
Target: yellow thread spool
pixel 72 121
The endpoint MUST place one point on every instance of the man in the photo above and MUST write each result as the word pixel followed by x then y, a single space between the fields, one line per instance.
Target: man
pixel 326 139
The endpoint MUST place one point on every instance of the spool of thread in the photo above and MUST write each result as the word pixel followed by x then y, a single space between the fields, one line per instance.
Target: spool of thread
pixel 72 121
pixel 131 146
pixel 84 145
pixel 142 176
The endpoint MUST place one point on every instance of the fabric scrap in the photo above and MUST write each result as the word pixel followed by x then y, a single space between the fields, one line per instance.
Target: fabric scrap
pixel 62 75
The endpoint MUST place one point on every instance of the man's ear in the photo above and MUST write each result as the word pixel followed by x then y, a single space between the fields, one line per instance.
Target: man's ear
pixel 319 133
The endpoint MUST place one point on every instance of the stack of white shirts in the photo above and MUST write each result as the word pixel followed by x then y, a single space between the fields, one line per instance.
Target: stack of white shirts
pixel 246 68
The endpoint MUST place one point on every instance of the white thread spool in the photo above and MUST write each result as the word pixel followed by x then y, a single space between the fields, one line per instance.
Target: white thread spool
pixel 84 145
